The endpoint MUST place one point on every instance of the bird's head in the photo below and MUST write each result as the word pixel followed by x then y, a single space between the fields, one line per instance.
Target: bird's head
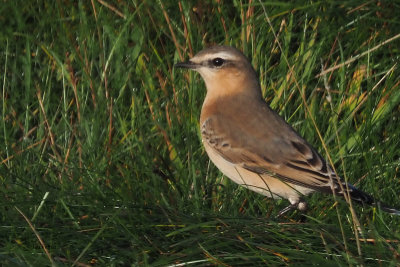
pixel 223 68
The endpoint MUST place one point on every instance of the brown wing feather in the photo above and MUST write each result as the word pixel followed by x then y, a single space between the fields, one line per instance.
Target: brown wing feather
pixel 259 140
pixel 272 147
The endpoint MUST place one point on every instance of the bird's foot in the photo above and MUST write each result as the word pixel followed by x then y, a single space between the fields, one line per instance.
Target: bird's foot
pixel 301 206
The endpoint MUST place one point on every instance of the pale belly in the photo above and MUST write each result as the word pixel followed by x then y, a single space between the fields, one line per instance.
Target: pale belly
pixel 260 183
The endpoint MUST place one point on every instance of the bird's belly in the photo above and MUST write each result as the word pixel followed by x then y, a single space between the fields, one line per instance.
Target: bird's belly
pixel 260 183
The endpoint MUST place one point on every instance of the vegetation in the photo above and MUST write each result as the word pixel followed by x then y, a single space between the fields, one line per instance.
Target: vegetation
pixel 101 158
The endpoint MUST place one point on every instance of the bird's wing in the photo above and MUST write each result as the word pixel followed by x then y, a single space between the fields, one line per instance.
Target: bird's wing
pixel 279 152
pixel 266 144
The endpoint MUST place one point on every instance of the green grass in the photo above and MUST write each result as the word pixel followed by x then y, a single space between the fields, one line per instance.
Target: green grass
pixel 101 159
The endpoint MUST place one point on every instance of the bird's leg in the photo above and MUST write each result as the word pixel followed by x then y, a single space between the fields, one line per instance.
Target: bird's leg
pixel 300 205
pixel 285 210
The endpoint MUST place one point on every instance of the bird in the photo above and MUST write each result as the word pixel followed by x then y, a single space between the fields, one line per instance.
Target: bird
pixel 252 144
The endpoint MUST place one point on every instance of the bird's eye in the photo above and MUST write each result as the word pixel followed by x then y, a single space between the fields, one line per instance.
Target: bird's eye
pixel 218 62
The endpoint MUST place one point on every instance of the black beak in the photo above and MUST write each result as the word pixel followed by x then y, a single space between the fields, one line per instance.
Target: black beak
pixel 186 65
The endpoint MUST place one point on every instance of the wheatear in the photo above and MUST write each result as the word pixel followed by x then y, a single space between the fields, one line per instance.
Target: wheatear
pixel 250 143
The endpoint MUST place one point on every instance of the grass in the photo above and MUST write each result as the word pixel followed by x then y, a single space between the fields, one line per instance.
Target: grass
pixel 101 159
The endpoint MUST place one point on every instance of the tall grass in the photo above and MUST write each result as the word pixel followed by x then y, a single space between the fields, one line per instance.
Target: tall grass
pixel 101 159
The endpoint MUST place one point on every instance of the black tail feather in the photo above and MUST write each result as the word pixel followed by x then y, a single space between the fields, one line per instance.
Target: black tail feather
pixel 363 198
pixel 388 209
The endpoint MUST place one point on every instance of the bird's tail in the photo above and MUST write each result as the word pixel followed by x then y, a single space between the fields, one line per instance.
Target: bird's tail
pixel 363 198
pixel 388 209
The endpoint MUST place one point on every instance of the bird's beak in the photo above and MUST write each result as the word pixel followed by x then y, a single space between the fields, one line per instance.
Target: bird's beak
pixel 186 65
